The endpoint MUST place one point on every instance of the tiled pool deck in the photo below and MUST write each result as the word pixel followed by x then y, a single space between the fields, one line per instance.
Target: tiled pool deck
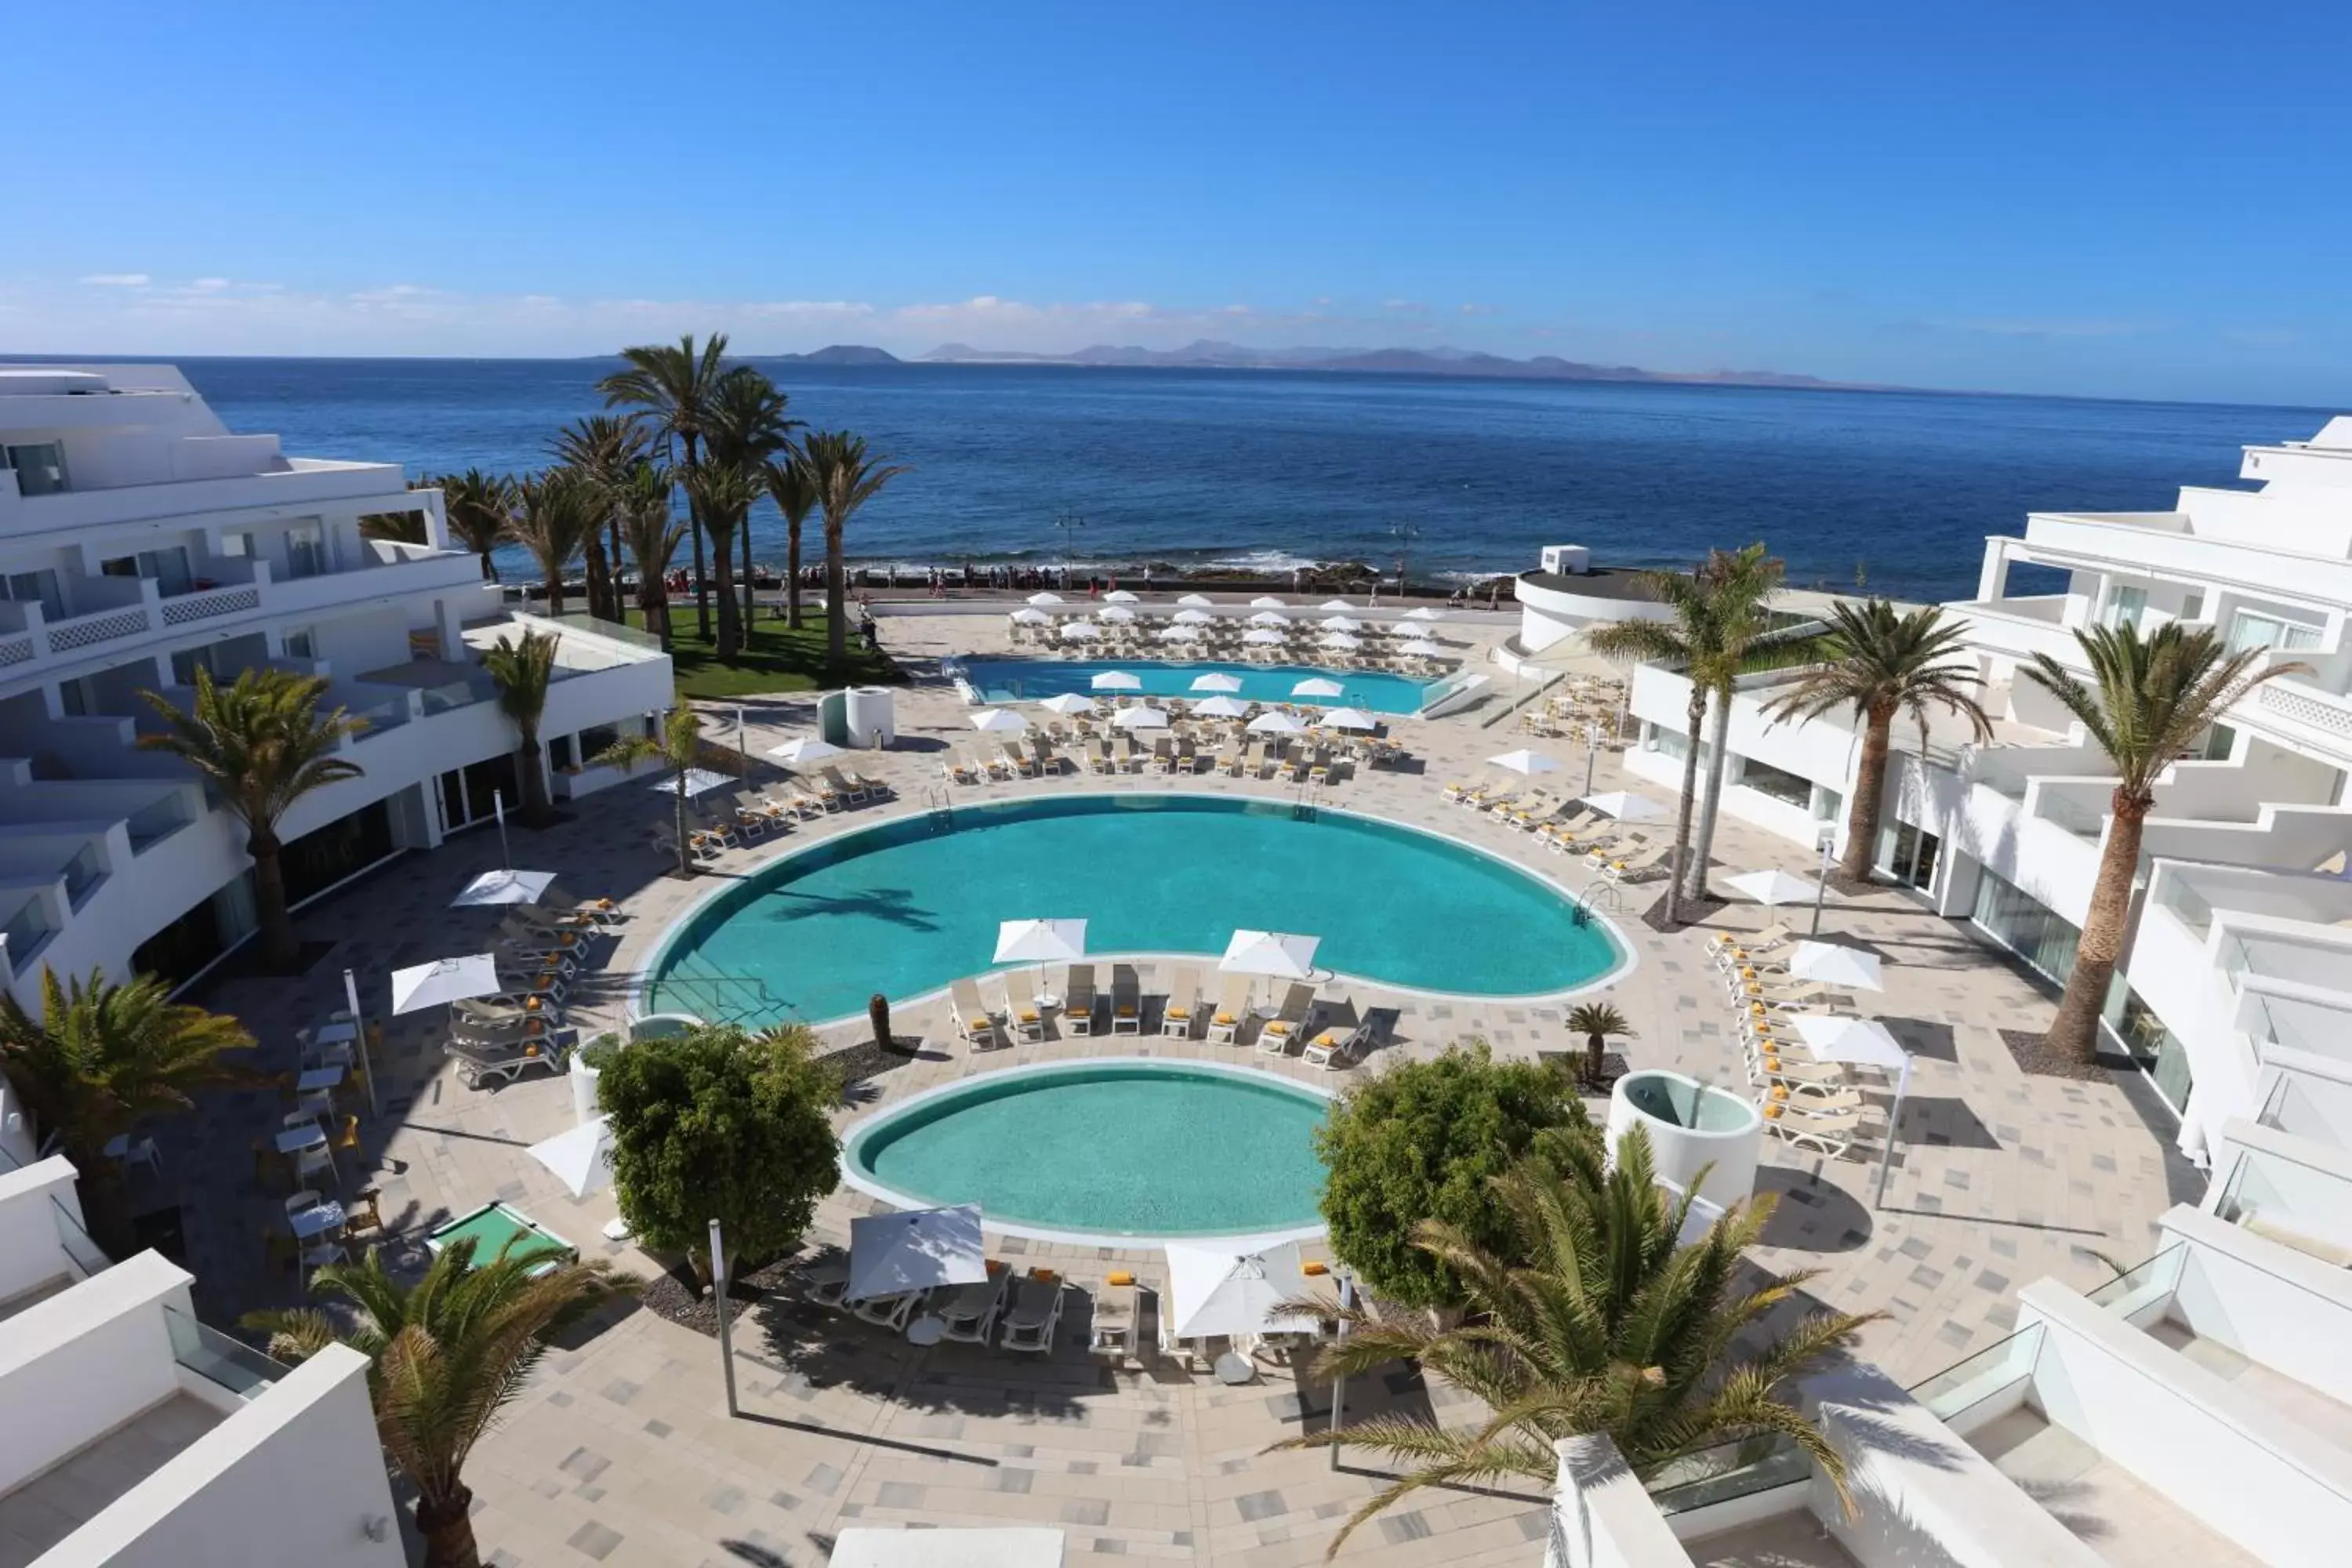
pixel 622 1451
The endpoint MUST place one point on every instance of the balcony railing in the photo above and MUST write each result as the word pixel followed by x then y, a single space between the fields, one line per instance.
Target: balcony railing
pixel 1976 1379
pixel 87 1255
pixel 1730 1470
pixel 209 1353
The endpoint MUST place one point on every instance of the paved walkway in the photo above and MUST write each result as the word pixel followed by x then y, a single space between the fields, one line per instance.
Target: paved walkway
pixel 621 1452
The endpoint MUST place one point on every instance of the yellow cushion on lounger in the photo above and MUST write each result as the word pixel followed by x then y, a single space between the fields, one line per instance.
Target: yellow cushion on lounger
pixel 1779 1091
pixel 1027 1017
pixel 1279 1027
pixel 1118 1277
pixel 1772 1113
pixel 1179 1012
pixel 1223 1018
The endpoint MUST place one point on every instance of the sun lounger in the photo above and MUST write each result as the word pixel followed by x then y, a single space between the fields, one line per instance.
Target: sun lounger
pixel 1078 1000
pixel 1125 1000
pixel 477 1062
pixel 1036 1314
pixel 1112 1331
pixel 888 1311
pixel 1232 1011
pixel 973 1024
pixel 958 770
pixel 1335 1044
pixel 1129 759
pixel 1830 1135
pixel 854 794
pixel 1047 760
pixel 1164 755
pixel 1289 1022
pixel 1099 756
pixel 1020 1013
pixel 1020 762
pixel 603 911
pixel 825 1282
pixel 1184 1003
pixel 971 1312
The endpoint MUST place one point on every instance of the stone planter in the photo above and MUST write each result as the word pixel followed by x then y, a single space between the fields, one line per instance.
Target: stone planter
pixel 655 1026
pixel 1692 1126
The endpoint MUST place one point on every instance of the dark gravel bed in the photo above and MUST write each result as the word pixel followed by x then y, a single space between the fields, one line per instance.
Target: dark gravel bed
pixel 2026 1046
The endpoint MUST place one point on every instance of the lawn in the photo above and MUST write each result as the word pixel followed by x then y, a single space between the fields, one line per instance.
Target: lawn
pixel 776 659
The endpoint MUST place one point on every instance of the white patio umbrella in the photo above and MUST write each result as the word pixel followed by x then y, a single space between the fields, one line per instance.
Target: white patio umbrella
pixel 444 981
pixel 806 749
pixel 1118 614
pixel 1343 624
pixel 998 720
pixel 1278 953
pixel 1340 605
pixel 1121 596
pixel 1527 764
pixel 1422 647
pixel 581 1157
pixel 1864 1042
pixel 1219 1291
pixel 1264 638
pixel 1193 618
pixel 1625 805
pixel 1068 702
pixel 1031 618
pixel 1221 707
pixel 699 781
pixel 1040 941
pixel 1216 680
pixel 503 887
pixel 1774 887
pixel 1116 680
pixel 1833 966
pixel 1317 686
pixel 890 1253
pixel 1269 618
pixel 1266 601
pixel 1424 614
pixel 1181 634
pixel 1044 599
pixel 1351 718
pixel 1142 718
pixel 1342 640
pixel 1275 723
pixel 1196 601
pixel 1081 631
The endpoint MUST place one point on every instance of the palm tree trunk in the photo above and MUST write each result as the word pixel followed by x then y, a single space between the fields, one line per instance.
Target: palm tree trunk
pixel 837 630
pixel 448 1526
pixel 653 602
pixel 555 590
pixel 279 947
pixel 792 573
pixel 751 588
pixel 1697 719
pixel 684 862
pixel 2075 1032
pixel 530 761
pixel 489 569
pixel 694 526
pixel 730 634
pixel 1869 784
pixel 1718 765
pixel 613 526
pixel 1596 1049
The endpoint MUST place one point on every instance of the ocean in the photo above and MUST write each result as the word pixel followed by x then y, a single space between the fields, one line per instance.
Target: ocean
pixel 1267 469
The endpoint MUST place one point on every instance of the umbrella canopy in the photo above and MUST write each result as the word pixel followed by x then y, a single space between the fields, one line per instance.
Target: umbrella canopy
pixel 1342 640
pixel 1031 618
pixel 1340 605
pixel 1222 708
pixel 994 720
pixel 1181 634
pixel 1351 718
pixel 1424 614
pixel 1044 599
pixel 1625 805
pixel 1141 718
pixel 1116 680
pixel 806 749
pixel 1864 1042
pixel 1120 597
pixel 1527 764
pixel 1215 682
pixel 890 1253
pixel 1193 618
pixel 1834 965
pixel 1081 631
pixel 1068 702
pixel 1422 647
pixel 1275 723
pixel 1343 624
pixel 1269 618
pixel 1317 686
pixel 1265 602
pixel 503 887
pixel 444 981
pixel 1278 953
pixel 1262 638
pixel 1040 942
pixel 582 1158
pixel 1118 614
pixel 1216 1292
pixel 699 781
pixel 1196 601
pixel 1774 888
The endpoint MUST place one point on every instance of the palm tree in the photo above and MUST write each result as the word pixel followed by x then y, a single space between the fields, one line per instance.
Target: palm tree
pixel 1879 663
pixel 845 479
pixel 653 533
pixel 607 448
pixel 446 1356
pixel 559 516
pixel 674 387
pixel 747 427
pixel 677 748
pixel 1720 630
pixel 723 497
pixel 481 510
pixel 1596 1320
pixel 264 744
pixel 793 488
pixel 101 1058
pixel 522 670
pixel 400 526
pixel 2154 697
pixel 1596 1021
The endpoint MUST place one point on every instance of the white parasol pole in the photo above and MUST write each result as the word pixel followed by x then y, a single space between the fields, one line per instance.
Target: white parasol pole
pixel 499 810
pixel 1893 1119
pixel 742 745
pixel 358 1034
pixel 1821 879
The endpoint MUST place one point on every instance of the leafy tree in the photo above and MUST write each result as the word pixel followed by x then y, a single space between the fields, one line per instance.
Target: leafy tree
pixel 608 449
pixel 677 748
pixel 1421 1142
pixel 446 1356
pixel 400 526
pixel 845 480
pixel 652 532
pixel 101 1058
pixel 559 516
pixel 265 744
pixel 723 497
pixel 1878 664
pixel 674 387
pixel 2149 700
pixel 1589 1316
pixel 481 510
pixel 1597 1021
pixel 748 428
pixel 793 488
pixel 720 1123
pixel 522 670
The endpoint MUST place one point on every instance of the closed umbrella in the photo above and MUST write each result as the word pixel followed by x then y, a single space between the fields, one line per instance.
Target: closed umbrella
pixel 1216 680
pixel 1068 702
pixel 1865 1042
pixel 1196 601
pixel 1275 723
pixel 1140 719
pixel 504 887
pixel 1774 887
pixel 1625 805
pixel 1351 718
pixel 1216 1292
pixel 1221 707
pixel 1834 965
pixel 1044 599
pixel 1316 686
pixel 444 981
pixel 1262 638
pixel 891 1254
pixel 1119 596
pixel 1527 764
pixel 1116 680
pixel 1040 941
pixel 1281 954
pixel 999 722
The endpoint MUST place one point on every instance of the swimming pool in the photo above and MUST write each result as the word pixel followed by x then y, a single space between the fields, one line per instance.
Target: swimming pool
pixel 1029 680
pixel 1104 1150
pixel 909 904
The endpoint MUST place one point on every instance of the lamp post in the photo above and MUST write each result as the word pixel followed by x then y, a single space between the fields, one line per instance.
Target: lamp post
pixel 719 1298
pixel 1821 877
pixel 1067 523
pixel 1405 532
pixel 1591 753
pixel 1339 1382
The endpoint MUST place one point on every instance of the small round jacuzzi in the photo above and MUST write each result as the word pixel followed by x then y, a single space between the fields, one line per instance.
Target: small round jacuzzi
pixel 1692 1126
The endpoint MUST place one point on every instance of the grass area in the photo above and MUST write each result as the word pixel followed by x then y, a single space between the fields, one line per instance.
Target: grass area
pixel 775 659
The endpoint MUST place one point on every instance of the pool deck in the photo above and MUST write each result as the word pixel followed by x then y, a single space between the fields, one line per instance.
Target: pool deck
pixel 621 1452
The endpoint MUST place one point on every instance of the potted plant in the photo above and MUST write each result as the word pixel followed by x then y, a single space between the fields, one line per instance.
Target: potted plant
pixel 1596 1021
pixel 588 1064
pixel 877 1012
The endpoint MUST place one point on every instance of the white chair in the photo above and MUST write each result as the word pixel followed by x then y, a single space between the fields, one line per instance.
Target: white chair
pixel 121 1149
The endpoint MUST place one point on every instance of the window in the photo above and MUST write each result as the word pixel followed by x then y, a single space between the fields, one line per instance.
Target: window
pixel 1828 804
pixel 2219 742
pixel 2154 1048
pixel 235 546
pixel 2124 605
pixel 73 699
pixel 168 567
pixel 303 644
pixel 188 660
pixel 38 588
pixel 2192 604
pixel 1777 783
pixel 305 550
pixel 2251 628
pixel 2019 921
pixel 40 467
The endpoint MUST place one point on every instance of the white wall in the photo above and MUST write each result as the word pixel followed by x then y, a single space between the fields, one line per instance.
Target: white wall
pixel 2270 1304
pixel 87 1360
pixel 30 1251
pixel 1601 1517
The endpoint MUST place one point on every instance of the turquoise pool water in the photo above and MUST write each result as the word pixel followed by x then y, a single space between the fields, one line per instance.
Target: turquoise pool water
pixel 1129 1147
pixel 908 905
pixel 1029 680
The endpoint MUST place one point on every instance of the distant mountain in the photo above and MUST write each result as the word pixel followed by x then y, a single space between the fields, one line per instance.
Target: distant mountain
pixel 839 353
pixel 1208 355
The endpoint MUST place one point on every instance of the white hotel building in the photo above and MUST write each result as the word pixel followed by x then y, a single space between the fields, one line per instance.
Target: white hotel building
pixel 140 540
pixel 2239 976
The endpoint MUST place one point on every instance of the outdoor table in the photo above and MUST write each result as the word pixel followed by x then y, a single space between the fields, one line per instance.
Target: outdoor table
pixel 927 1330
pixel 316 1078
pixel 1048 1000
pixel 315 1219
pixel 294 1140
pixel 495 1225
pixel 342 1034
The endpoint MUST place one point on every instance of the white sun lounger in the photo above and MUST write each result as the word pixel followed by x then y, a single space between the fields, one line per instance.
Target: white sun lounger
pixel 1184 1003
pixel 1274 1035
pixel 1020 1013
pixel 1036 1314
pixel 973 1024
pixel 1232 1010
pixel 970 1313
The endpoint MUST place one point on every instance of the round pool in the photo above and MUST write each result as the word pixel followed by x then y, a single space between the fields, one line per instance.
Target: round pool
pixel 912 903
pixel 1105 1150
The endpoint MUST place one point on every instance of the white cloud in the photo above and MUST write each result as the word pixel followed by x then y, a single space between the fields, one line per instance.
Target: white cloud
pixel 116 280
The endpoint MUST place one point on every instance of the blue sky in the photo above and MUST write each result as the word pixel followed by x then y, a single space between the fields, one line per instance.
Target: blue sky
pixel 2138 201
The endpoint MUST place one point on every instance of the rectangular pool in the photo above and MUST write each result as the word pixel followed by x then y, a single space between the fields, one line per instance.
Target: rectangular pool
pixel 1030 680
